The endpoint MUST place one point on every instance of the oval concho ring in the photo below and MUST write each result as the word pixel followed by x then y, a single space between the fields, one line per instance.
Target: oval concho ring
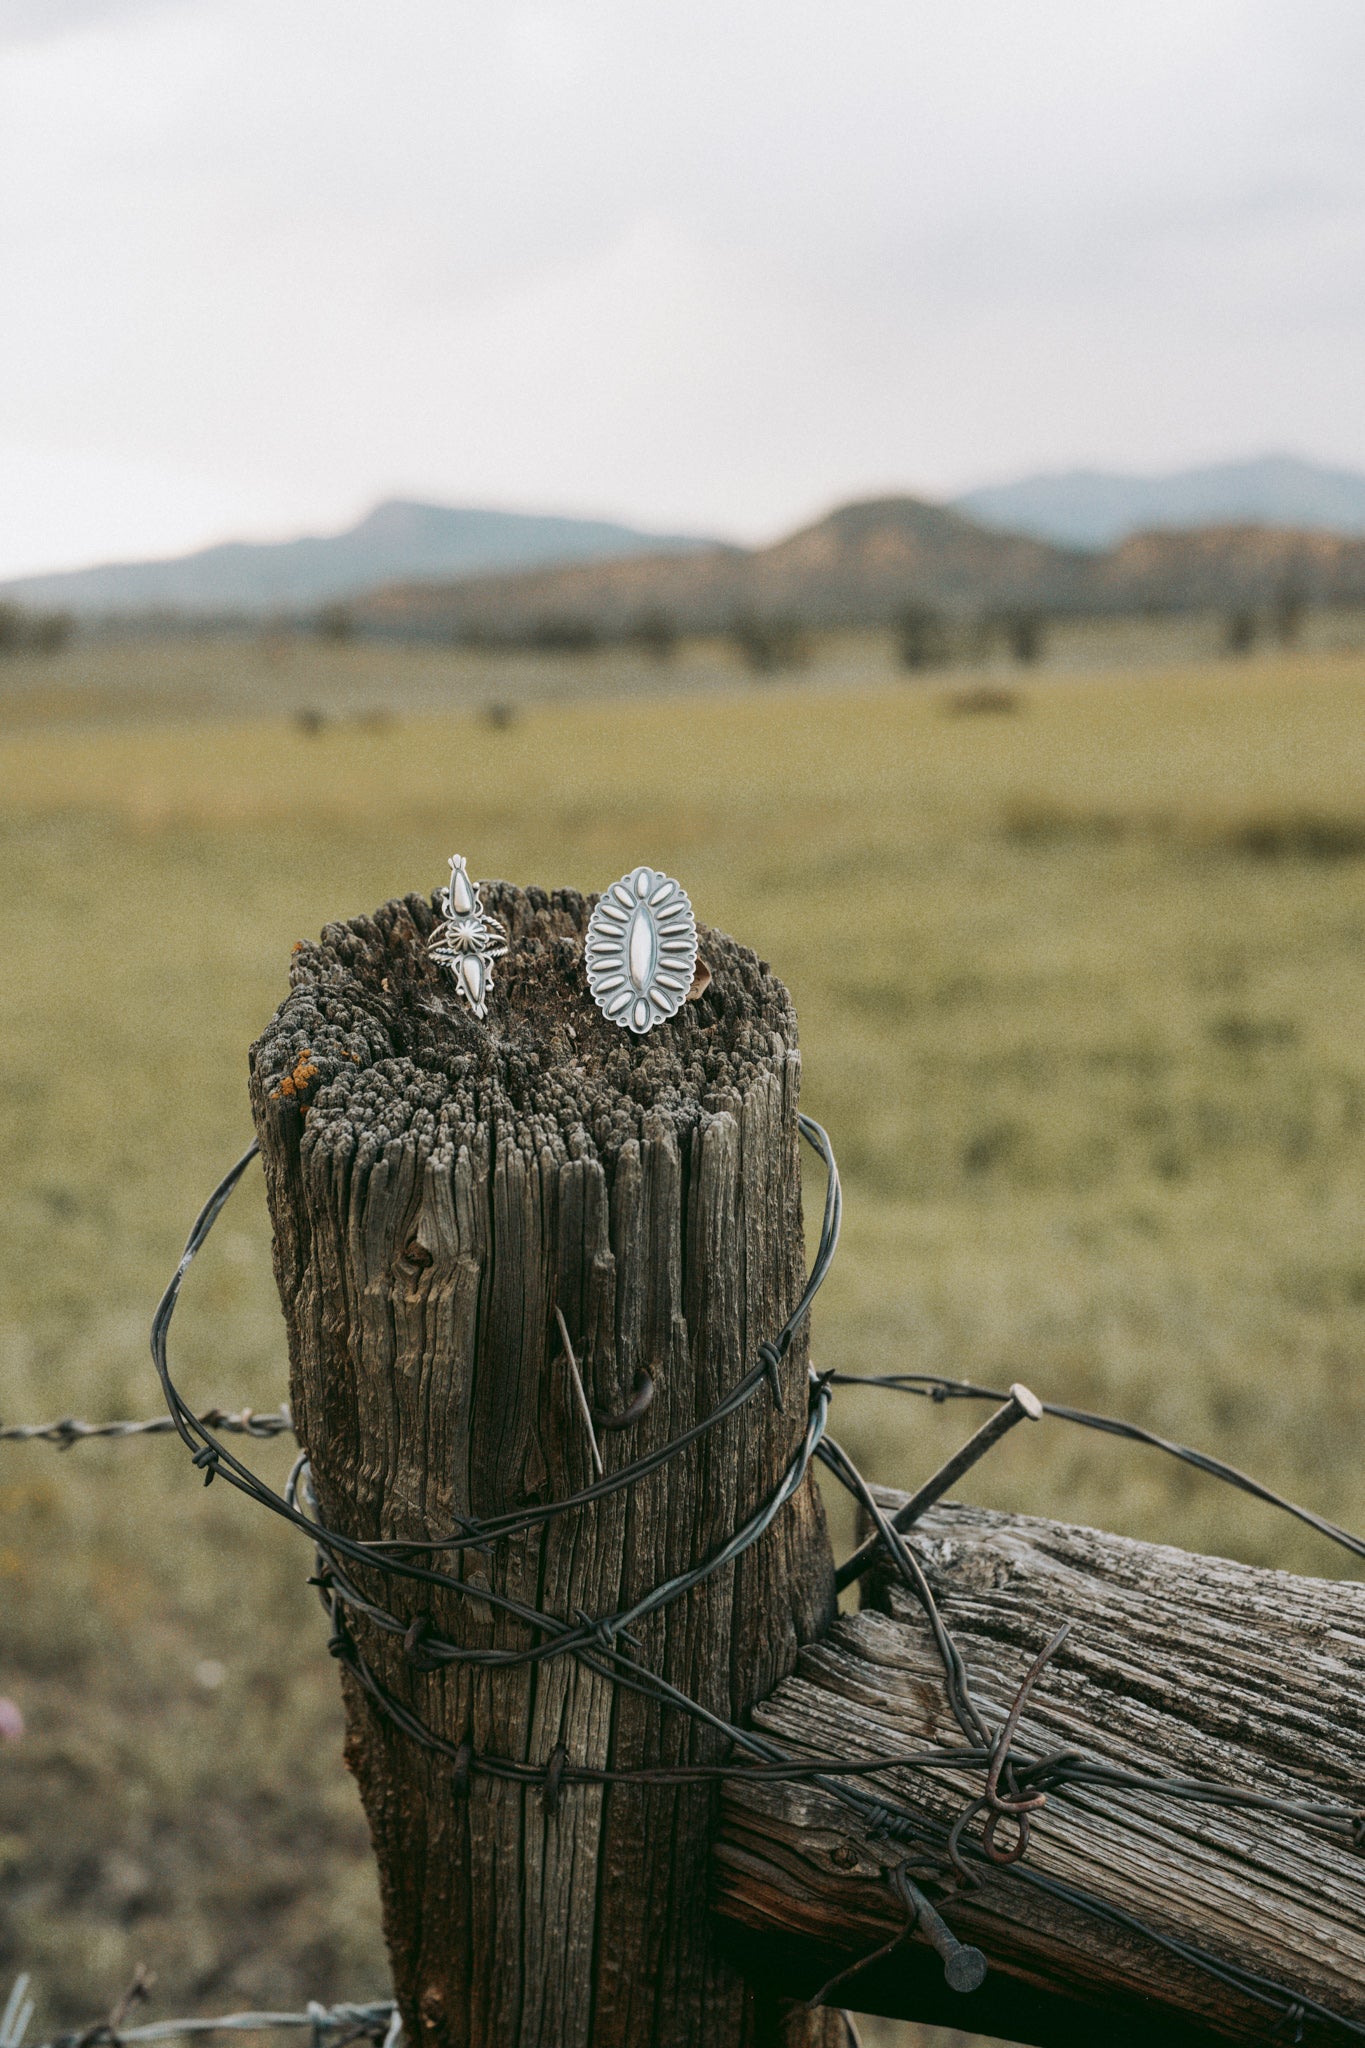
pixel 641 949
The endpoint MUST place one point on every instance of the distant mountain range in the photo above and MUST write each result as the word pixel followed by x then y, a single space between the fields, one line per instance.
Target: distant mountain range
pixel 1083 541
pixel 399 539
pixel 1091 508
pixel 863 561
pixel 868 563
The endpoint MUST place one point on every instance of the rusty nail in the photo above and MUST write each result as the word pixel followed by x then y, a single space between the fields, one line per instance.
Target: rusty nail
pixel 964 1967
pixel 1021 1406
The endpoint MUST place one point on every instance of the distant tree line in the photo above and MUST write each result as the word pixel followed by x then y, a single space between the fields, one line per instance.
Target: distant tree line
pixel 929 638
pixel 654 632
pixel 926 636
pixel 1280 619
pixel 29 632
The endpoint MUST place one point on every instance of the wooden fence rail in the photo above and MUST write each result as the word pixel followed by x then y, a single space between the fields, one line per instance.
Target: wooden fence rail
pixel 1175 1667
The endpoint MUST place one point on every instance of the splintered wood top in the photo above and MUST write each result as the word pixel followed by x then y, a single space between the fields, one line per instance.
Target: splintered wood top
pixel 373 1036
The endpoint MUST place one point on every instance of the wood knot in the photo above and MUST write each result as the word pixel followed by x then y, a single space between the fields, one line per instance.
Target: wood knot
pixel 432 2006
pixel 844 1855
pixel 416 1253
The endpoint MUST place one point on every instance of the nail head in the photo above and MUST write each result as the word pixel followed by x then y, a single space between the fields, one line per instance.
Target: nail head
pixel 965 1969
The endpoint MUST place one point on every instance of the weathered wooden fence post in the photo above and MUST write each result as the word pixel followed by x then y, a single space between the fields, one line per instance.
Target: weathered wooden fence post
pixel 440 1188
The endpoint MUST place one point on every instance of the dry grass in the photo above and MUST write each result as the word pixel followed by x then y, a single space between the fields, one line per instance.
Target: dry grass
pixel 1081 993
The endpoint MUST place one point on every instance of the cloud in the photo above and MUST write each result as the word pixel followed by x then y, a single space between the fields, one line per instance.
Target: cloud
pixel 710 264
pixel 23 21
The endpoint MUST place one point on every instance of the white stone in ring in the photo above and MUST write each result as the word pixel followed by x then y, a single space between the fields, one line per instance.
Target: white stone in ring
pixel 466 940
pixel 641 950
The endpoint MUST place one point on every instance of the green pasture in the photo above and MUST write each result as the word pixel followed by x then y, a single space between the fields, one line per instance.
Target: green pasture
pixel 1081 979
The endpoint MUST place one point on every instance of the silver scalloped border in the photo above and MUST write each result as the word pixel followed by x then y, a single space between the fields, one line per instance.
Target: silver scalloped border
pixel 641 950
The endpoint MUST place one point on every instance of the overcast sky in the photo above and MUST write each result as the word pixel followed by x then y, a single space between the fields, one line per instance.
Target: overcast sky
pixel 709 264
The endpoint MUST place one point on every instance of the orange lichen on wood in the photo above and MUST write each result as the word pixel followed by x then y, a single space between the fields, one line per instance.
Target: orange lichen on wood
pixel 295 1083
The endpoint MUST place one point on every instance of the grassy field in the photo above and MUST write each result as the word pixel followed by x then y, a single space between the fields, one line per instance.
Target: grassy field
pixel 1081 989
pixel 98 682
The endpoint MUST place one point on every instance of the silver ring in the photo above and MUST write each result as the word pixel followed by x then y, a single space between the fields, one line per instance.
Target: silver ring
pixel 466 940
pixel 641 950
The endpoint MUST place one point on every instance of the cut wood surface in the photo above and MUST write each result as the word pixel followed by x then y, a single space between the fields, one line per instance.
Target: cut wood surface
pixel 1175 1666
pixel 439 1188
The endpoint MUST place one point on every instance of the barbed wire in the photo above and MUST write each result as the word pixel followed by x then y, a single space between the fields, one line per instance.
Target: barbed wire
pixel 70 1431
pixel 934 1387
pixel 1015 1783
pixel 18 2012
pixel 331 2026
